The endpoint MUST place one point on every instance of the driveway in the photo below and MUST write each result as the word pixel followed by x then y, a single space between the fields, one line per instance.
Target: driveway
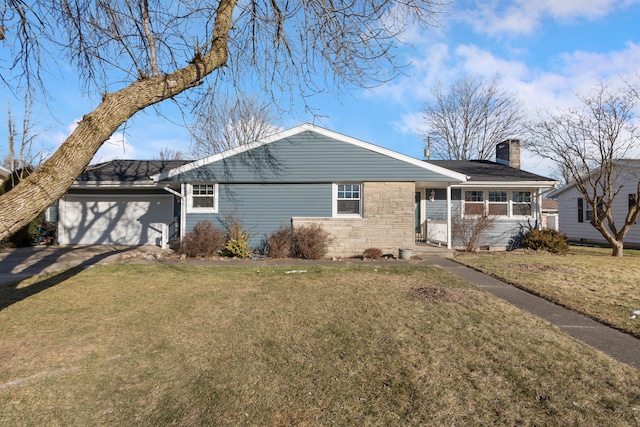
pixel 21 263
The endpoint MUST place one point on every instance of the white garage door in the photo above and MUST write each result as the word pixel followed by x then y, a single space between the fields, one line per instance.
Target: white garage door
pixel 116 220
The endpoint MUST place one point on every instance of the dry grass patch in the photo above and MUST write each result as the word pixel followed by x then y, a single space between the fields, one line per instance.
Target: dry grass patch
pixel 587 280
pixel 436 294
pixel 197 345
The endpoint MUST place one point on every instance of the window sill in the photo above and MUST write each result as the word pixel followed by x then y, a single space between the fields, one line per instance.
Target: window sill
pixel 202 210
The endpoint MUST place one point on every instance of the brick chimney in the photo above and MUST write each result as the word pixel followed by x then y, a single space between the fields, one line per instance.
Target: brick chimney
pixel 508 153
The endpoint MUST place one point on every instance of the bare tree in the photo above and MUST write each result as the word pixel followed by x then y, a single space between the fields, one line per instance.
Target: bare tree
pixel 138 53
pixel 229 123
pixel 167 154
pixel 469 230
pixel 589 145
pixel 22 155
pixel 467 120
pixel 21 141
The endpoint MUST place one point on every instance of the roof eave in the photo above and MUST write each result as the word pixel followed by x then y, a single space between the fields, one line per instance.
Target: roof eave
pixel 113 184
pixel 510 184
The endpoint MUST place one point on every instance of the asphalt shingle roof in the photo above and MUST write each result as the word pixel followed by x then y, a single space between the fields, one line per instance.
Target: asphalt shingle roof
pixel 141 170
pixel 485 170
pixel 128 170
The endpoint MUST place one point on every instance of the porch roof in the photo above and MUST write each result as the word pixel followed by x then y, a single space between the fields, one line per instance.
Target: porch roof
pixel 488 171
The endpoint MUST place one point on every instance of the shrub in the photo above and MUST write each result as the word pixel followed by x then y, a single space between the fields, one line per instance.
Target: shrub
pixel 279 243
pixel 205 240
pixel 372 253
pixel 237 240
pixel 310 241
pixel 470 230
pixel 27 235
pixel 546 240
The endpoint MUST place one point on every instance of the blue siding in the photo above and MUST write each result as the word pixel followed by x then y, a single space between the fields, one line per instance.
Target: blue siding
pixel 263 208
pixel 503 232
pixel 436 210
pixel 308 157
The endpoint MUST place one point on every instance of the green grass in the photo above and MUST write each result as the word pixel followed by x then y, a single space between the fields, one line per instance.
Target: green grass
pixel 587 280
pixel 197 345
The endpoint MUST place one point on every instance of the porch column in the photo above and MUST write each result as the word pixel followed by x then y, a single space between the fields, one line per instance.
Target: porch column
pixel 539 209
pixel 448 216
pixel 183 212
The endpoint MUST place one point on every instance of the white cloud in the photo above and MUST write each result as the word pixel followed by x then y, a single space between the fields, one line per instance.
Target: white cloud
pixel 475 61
pixel 428 65
pixel 116 147
pixel 574 73
pixel 540 89
pixel 524 16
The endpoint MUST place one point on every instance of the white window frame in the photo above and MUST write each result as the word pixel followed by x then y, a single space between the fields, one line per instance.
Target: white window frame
pixel 482 203
pixel 504 203
pixel 486 203
pixel 335 200
pixel 192 209
pixel 511 202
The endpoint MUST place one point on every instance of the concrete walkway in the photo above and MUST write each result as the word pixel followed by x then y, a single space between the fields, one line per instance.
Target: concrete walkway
pixel 618 345
pixel 23 263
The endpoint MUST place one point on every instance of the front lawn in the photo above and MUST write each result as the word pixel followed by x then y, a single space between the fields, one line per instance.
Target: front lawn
pixel 198 345
pixel 587 280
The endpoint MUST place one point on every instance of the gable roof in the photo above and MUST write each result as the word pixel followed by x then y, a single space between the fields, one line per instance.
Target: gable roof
pixel 298 131
pixel 487 172
pixel 126 172
pixel 624 163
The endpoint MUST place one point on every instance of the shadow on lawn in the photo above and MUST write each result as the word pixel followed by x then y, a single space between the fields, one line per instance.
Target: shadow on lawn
pixel 11 294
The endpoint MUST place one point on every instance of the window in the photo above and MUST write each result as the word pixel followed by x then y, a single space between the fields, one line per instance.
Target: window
pixel 473 202
pixel 580 209
pixel 348 200
pixel 501 203
pixel 202 198
pixel 498 203
pixel 521 203
pixel 589 212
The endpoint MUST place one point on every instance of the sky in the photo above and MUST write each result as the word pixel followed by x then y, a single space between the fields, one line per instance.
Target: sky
pixel 546 52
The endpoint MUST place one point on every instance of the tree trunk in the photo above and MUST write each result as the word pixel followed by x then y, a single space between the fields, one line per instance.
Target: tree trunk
pixel 618 248
pixel 51 180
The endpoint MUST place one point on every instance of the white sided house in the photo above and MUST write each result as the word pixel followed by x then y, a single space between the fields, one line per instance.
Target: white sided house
pixel 362 194
pixel 575 213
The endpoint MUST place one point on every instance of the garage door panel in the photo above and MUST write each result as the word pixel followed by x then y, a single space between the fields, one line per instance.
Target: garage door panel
pixel 114 220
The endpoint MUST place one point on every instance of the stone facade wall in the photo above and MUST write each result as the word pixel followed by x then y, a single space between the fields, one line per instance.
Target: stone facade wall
pixel 388 221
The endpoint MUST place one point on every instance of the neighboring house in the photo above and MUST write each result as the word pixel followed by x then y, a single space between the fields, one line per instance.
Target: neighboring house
pixel 362 194
pixel 575 213
pixel 4 172
pixel 550 213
